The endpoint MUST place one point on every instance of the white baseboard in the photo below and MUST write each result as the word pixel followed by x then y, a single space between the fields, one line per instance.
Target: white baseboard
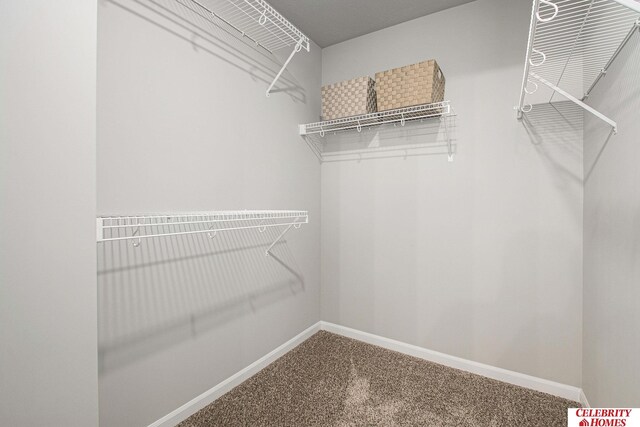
pixel 209 396
pixel 511 377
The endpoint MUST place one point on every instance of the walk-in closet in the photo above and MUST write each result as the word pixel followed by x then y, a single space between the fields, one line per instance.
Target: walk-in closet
pixel 319 213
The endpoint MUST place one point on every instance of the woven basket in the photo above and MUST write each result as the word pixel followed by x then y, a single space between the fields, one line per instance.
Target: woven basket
pixel 349 98
pixel 415 84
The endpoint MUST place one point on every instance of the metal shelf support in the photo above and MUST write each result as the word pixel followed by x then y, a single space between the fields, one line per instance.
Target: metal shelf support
pixel 570 97
pixel 296 49
pixel 443 120
pixel 281 235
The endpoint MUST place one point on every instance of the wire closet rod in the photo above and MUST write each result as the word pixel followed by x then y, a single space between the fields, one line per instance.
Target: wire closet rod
pixel 604 70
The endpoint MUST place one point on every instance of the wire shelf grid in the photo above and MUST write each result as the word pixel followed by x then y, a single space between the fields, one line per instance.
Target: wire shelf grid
pixel 571 45
pixel 254 19
pixel 401 116
pixel 137 227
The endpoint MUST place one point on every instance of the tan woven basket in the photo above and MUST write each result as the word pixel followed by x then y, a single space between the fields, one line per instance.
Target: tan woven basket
pixel 415 84
pixel 349 98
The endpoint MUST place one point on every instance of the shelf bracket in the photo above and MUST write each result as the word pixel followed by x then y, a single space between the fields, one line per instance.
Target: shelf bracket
pixel 578 102
pixel 296 49
pixel 295 224
pixel 448 137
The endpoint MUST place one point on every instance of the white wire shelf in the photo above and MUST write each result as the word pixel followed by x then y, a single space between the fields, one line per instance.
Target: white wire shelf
pixel 572 44
pixel 138 227
pixel 258 20
pixel 401 116
pixel 255 20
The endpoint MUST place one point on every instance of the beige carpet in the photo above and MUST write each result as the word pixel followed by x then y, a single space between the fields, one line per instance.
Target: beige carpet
pixel 330 380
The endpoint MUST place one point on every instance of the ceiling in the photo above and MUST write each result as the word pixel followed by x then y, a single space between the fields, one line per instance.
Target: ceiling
pixel 328 22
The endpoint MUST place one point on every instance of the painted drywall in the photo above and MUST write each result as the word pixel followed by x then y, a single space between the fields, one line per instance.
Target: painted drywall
pixel 184 125
pixel 48 356
pixel 611 368
pixel 480 258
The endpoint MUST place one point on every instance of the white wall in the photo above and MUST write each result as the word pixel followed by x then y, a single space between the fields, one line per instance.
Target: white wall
pixel 480 258
pixel 184 125
pixel 48 356
pixel 611 367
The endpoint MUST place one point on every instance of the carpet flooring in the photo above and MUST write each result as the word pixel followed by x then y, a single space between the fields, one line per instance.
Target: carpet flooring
pixel 330 380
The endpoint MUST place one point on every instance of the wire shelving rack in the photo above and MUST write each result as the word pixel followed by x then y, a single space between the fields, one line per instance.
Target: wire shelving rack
pixel 135 228
pixel 439 110
pixel 255 20
pixel 572 44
